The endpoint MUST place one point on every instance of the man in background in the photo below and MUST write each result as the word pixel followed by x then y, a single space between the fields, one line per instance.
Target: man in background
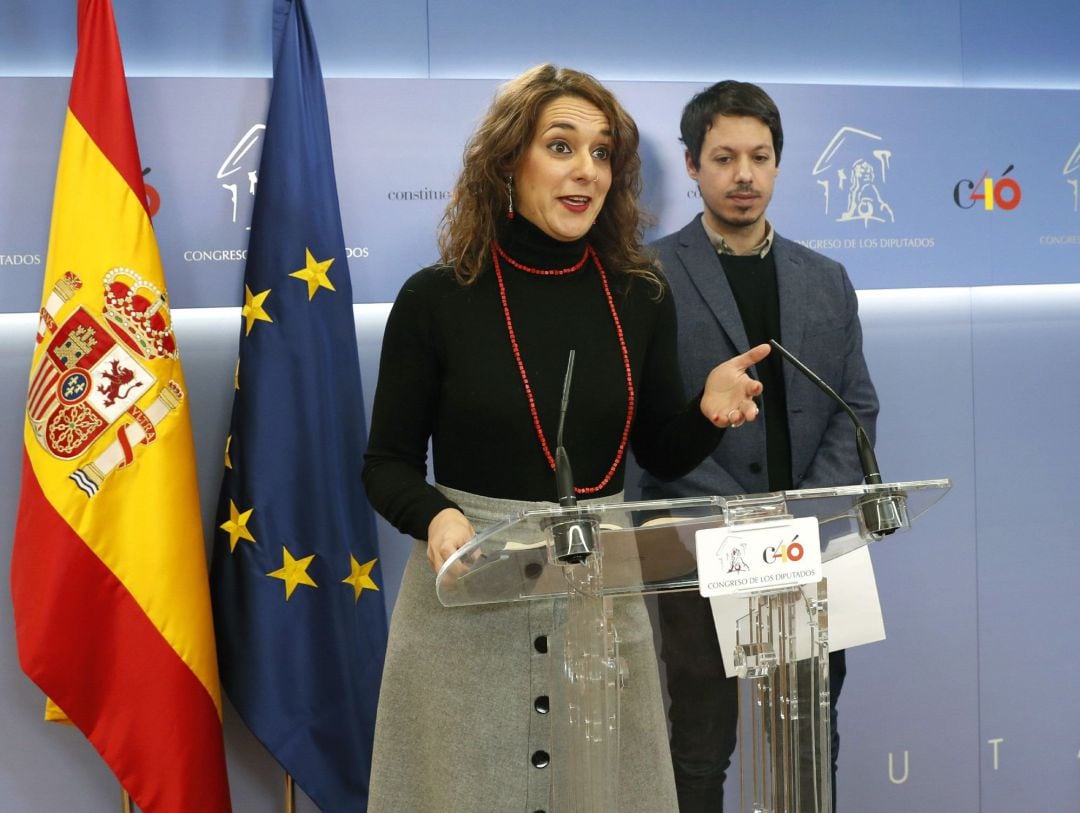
pixel 736 284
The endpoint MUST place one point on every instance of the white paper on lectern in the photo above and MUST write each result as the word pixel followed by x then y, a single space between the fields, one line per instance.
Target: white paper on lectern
pixel 854 609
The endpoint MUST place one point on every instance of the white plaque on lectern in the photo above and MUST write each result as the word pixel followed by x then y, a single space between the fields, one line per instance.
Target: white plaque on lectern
pixel 756 556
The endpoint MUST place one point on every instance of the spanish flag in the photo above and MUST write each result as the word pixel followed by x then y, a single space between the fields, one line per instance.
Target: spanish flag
pixel 108 574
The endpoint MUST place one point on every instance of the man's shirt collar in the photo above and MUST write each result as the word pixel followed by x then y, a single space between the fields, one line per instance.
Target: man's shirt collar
pixel 721 245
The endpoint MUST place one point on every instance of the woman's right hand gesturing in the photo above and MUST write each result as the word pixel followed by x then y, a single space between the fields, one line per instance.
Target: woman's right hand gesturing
pixel 729 394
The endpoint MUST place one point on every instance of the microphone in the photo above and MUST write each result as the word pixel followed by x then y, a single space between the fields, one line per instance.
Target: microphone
pixel 564 476
pixel 880 514
pixel 573 534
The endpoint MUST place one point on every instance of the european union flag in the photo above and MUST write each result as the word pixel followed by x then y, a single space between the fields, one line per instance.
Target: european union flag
pixel 301 624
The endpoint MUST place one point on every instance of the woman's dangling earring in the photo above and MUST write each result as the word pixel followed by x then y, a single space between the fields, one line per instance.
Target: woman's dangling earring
pixel 510 195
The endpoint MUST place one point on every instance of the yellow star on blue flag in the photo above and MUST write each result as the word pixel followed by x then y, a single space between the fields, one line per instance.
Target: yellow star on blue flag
pixel 315 274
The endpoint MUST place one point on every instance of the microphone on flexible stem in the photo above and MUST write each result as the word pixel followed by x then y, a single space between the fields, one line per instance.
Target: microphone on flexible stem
pixel 573 536
pixel 881 513
pixel 564 476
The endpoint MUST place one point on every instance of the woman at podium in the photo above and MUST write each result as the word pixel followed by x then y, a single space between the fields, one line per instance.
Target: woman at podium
pixel 541 255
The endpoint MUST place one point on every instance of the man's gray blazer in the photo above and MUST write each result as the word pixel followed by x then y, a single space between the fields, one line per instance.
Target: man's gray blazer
pixel 819 324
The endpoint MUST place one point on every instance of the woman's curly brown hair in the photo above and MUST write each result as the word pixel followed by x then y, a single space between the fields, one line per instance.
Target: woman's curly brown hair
pixel 476 214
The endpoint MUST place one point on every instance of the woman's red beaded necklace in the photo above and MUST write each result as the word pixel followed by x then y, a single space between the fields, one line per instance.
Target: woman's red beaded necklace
pixel 542 272
pixel 497 252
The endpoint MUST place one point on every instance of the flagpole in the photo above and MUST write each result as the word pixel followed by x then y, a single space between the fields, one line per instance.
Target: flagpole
pixel 290 794
pixel 125 802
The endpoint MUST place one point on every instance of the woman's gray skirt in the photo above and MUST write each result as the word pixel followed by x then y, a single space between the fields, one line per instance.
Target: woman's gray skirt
pixel 458 728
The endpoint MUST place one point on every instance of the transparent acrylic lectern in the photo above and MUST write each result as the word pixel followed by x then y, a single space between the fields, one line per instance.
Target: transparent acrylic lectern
pixel 594 555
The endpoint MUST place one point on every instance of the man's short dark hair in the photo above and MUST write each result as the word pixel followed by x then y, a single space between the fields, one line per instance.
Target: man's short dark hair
pixel 728 98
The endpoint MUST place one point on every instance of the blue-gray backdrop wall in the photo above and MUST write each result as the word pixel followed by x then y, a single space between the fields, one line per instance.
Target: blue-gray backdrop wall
pixel 972 310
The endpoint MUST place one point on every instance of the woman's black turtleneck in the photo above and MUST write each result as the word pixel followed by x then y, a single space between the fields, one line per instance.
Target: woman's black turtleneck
pixel 448 373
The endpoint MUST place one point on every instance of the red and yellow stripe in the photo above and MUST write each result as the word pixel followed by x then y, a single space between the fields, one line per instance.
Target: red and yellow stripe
pixel 111 596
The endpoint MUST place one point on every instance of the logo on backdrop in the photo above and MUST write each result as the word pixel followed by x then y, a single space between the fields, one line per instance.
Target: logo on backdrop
pixel 1071 174
pixel 988 193
pixel 1072 168
pixel 239 176
pixel 153 199
pixel 853 173
pixel 239 173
